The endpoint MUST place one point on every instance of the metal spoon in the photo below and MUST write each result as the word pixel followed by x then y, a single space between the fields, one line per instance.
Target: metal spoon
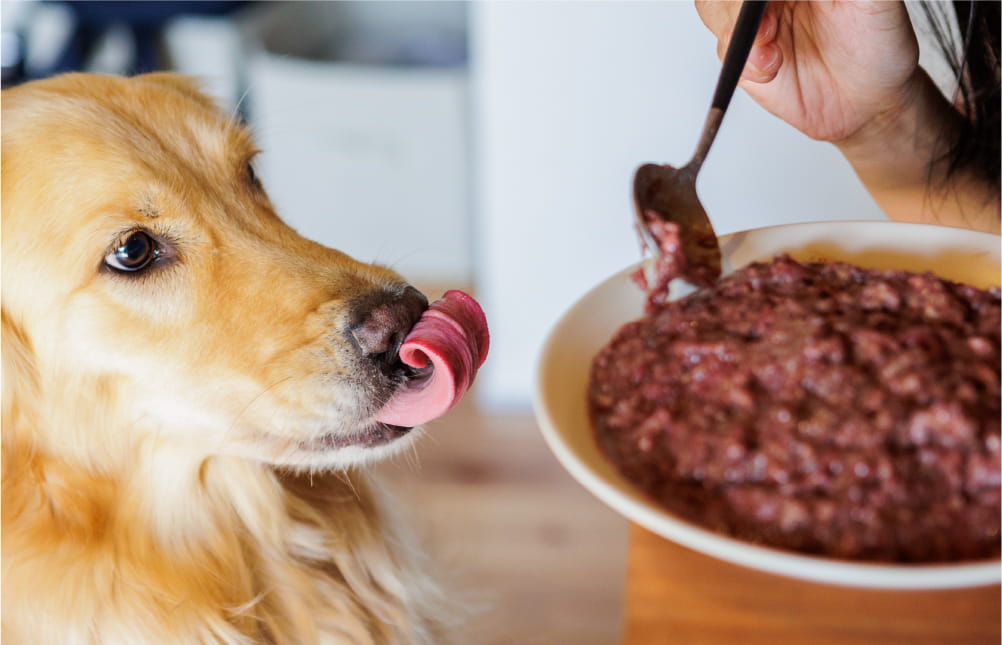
pixel 669 194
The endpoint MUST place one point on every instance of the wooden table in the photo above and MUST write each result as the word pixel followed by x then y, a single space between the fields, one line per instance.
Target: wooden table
pixel 675 595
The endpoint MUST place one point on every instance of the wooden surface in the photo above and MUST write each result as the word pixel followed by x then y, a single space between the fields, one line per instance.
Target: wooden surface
pixel 674 595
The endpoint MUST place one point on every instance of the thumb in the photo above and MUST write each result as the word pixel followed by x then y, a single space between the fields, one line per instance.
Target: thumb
pixel 765 57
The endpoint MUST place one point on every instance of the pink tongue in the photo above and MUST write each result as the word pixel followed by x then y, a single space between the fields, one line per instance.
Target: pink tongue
pixel 452 336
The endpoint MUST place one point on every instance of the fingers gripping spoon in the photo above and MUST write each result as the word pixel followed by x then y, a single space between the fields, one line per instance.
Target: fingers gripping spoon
pixel 666 196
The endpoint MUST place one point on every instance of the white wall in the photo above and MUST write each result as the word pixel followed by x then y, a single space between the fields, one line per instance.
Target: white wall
pixel 569 98
pixel 369 161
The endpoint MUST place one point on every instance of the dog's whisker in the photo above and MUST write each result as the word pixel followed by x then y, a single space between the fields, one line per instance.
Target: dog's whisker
pixel 393 264
pixel 414 458
pixel 237 115
pixel 346 479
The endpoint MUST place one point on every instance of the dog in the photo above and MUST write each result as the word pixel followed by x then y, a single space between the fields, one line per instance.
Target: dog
pixel 190 390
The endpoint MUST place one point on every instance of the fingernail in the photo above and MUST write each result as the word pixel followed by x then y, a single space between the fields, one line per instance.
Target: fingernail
pixel 763 60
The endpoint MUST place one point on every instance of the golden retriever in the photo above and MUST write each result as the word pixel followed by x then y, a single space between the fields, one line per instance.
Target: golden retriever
pixel 184 402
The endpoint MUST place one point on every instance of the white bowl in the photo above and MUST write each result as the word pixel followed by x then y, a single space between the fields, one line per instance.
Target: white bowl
pixel 560 402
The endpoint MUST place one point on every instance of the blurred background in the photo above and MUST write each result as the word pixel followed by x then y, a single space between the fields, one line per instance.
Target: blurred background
pixel 488 146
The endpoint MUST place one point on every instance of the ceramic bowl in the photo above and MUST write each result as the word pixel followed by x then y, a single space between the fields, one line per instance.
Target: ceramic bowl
pixel 564 363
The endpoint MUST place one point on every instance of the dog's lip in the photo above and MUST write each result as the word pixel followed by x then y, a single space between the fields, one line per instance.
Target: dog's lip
pixel 377 434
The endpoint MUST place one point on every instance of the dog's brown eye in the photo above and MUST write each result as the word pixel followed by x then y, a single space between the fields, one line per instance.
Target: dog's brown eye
pixel 133 252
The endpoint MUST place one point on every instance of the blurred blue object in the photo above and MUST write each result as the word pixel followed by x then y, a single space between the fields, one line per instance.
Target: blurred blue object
pixel 144 20
pixel 11 58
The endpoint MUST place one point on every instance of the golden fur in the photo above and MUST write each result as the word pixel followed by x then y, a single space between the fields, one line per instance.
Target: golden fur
pixel 169 473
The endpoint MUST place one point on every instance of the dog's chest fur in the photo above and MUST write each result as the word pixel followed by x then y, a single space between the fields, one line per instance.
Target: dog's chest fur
pixel 250 556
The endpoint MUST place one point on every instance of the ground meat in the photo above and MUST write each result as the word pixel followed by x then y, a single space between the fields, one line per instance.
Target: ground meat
pixel 820 407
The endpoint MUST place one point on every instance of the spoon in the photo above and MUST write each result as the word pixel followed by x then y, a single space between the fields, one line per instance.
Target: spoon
pixel 663 193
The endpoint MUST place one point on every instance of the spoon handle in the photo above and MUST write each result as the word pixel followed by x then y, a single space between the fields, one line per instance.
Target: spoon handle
pixel 734 63
pixel 742 38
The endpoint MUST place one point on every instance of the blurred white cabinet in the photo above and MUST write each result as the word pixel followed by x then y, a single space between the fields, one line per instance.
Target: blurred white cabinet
pixel 369 162
pixel 361 110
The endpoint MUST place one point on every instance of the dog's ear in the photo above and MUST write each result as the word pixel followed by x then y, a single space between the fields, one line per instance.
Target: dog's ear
pixel 17 374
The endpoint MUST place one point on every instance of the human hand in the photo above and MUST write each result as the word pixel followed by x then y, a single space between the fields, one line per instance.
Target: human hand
pixel 835 70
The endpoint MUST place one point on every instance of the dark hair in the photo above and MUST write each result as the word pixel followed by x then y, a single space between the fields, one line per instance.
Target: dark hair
pixel 975 64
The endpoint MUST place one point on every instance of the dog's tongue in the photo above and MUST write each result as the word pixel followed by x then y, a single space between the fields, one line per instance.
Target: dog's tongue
pixel 452 338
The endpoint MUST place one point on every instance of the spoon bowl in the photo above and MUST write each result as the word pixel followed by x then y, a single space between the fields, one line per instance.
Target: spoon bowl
pixel 671 221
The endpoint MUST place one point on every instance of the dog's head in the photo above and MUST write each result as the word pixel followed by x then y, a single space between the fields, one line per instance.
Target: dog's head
pixel 152 295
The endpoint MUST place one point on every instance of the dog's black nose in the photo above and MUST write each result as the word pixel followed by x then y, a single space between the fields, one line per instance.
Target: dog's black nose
pixel 382 319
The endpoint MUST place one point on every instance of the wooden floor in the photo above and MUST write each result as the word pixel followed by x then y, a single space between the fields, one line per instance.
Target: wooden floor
pixel 544 561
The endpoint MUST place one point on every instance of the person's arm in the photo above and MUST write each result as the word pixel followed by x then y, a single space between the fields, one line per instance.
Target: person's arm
pixel 848 73
pixel 901 159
